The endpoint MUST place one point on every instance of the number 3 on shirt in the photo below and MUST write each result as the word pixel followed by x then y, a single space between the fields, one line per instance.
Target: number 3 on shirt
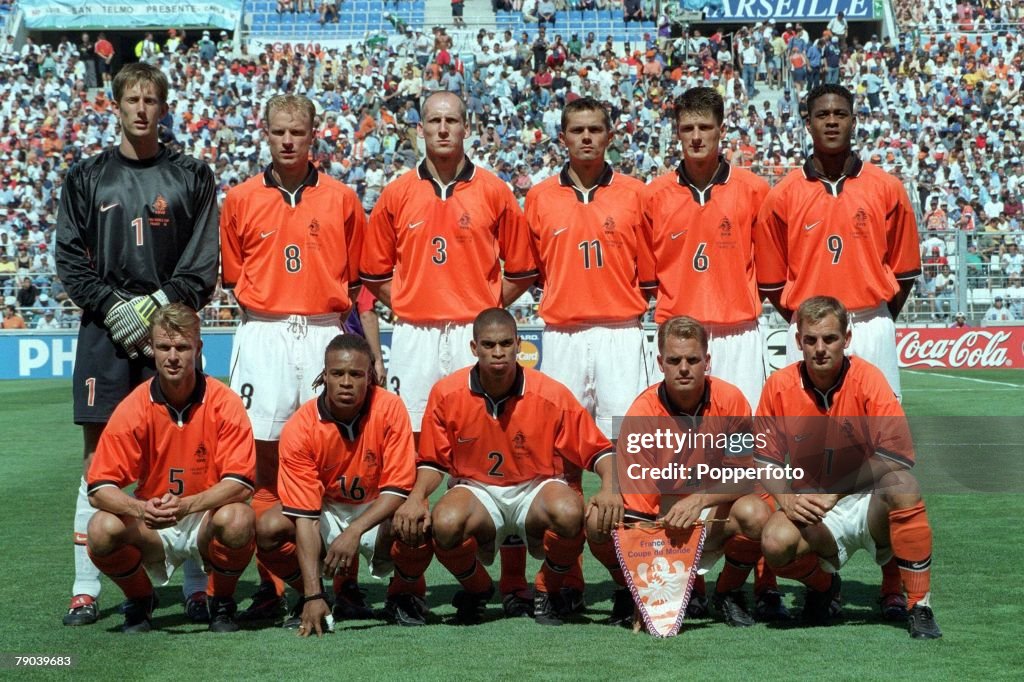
pixel 292 258
pixel 441 257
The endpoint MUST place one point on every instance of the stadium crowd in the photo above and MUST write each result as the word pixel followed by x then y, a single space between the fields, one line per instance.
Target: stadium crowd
pixel 939 106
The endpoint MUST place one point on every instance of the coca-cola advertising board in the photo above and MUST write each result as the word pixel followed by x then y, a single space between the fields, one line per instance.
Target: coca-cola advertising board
pixel 983 348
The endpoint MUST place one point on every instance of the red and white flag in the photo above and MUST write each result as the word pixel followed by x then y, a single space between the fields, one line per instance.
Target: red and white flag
pixel 660 567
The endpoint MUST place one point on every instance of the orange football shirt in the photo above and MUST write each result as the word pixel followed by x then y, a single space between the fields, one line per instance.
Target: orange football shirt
pixel 290 254
pixel 525 435
pixel 702 244
pixel 351 463
pixel 590 247
pixel 831 435
pixel 854 240
pixel 723 410
pixel 148 441
pixel 442 246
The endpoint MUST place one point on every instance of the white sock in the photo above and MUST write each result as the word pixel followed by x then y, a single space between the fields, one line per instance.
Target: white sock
pixel 87 576
pixel 194 580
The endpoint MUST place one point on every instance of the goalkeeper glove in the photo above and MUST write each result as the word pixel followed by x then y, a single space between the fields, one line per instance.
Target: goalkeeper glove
pixel 129 322
pixel 145 306
pixel 120 321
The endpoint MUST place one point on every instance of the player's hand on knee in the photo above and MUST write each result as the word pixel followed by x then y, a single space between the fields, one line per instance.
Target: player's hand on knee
pixel 341 552
pixel 608 509
pixel 411 522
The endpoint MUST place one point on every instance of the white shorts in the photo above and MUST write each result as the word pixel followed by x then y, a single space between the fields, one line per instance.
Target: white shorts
pixel 335 518
pixel 874 339
pixel 181 543
pixel 737 356
pixel 605 367
pixel 274 361
pixel 507 506
pixel 848 523
pixel 423 354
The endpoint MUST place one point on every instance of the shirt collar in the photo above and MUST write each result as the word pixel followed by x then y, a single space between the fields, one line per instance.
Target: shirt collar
pixel 720 177
pixel 675 411
pixel 197 397
pixel 495 405
pixel 824 399
pixel 604 180
pixel 444 191
pixel 351 429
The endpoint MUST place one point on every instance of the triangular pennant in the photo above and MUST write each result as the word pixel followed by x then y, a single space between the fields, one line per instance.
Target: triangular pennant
pixel 660 567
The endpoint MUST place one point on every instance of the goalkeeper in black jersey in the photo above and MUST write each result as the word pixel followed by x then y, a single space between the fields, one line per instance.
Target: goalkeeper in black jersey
pixel 137 229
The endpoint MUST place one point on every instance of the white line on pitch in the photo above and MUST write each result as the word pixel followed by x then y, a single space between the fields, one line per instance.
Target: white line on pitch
pixel 954 376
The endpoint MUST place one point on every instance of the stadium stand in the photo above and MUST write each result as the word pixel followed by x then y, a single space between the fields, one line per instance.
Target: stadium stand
pixel 939 103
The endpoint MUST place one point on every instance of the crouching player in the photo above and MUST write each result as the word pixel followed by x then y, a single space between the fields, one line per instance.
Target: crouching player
pixel 186 440
pixel 836 419
pixel 500 432
pixel 711 407
pixel 347 462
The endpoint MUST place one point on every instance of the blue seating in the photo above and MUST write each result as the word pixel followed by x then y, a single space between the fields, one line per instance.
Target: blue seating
pixel 357 19
pixel 603 23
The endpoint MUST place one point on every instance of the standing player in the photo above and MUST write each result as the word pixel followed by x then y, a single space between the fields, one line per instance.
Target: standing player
pixel 434 251
pixel 501 433
pixel 838 416
pixel 291 239
pixel 713 406
pixel 840 227
pixel 701 220
pixel 585 224
pixel 844 228
pixel 186 442
pixel 137 229
pixel 347 463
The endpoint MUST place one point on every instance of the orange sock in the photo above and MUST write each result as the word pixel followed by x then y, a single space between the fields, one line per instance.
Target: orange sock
pixel 574 578
pixel 764 577
pixel 560 556
pixel 284 564
pixel 741 554
pixel 227 565
pixel 892 581
pixel 513 565
pixel 462 562
pixel 410 565
pixel 351 573
pixel 262 500
pixel 605 553
pixel 912 545
pixel 807 570
pixel 124 567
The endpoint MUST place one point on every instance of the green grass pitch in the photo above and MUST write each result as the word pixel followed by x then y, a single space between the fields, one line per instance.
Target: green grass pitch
pixel 977 592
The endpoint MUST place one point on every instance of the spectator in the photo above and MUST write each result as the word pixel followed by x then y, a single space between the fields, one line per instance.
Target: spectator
pixel 959 321
pixel 997 312
pixel 839 28
pixel 27 294
pixel 12 319
pixel 47 321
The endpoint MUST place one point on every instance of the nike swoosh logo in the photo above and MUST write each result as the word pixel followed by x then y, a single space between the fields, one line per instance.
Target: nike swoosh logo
pixel 413 226
pixel 264 235
pixel 811 226
pixel 677 235
pixel 800 436
pixel 106 207
pixel 560 231
pixel 465 440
